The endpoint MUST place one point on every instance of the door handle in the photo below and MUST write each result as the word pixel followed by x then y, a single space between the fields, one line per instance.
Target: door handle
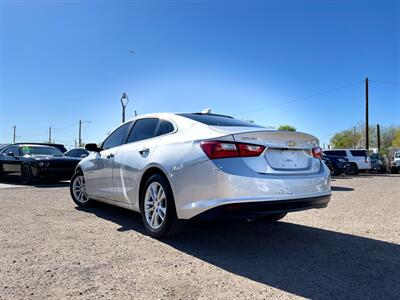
pixel 144 151
pixel 111 155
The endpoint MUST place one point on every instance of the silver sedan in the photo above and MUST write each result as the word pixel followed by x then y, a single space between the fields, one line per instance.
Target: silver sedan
pixel 175 167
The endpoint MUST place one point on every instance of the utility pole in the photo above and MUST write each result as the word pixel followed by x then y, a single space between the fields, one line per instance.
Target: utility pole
pixel 366 115
pixel 15 130
pixel 378 132
pixel 80 143
pixel 50 134
pixel 354 137
pixel 80 134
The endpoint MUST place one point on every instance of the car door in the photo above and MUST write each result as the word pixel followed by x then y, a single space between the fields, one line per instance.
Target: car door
pixel 135 155
pixel 99 173
pixel 11 160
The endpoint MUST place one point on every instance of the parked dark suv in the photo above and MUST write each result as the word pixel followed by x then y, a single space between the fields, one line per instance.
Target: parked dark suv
pixel 336 164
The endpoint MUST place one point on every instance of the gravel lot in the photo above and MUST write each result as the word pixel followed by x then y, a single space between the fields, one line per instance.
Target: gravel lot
pixel 51 249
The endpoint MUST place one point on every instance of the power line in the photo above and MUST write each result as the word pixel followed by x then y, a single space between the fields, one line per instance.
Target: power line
pixel 385 82
pixel 302 98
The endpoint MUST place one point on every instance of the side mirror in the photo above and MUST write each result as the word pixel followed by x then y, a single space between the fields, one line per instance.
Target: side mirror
pixel 92 147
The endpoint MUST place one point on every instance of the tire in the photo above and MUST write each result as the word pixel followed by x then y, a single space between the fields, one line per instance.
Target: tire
pixel 272 217
pixel 393 170
pixel 353 169
pixel 157 206
pixel 26 174
pixel 77 190
pixel 336 172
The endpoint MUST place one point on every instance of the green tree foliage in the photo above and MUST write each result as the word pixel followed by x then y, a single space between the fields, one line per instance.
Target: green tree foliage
pixel 396 138
pixel 286 128
pixel 345 139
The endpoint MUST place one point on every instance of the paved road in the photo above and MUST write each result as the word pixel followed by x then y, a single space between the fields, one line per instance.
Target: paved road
pixel 51 249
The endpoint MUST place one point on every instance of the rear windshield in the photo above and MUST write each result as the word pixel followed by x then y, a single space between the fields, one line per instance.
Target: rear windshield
pixel 335 152
pixel 358 152
pixel 217 120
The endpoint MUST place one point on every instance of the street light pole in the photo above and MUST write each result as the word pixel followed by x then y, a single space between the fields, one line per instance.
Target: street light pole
pixel 80 132
pixel 124 103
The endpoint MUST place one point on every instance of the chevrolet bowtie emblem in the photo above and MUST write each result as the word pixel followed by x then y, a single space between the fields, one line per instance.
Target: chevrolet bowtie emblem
pixel 291 143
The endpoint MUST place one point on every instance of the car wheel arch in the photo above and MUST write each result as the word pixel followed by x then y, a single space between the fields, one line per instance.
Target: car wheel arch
pixel 146 175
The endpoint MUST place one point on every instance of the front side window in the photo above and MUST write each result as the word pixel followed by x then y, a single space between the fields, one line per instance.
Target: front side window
pixel 143 129
pixel 117 137
pixel 13 149
pixel 70 153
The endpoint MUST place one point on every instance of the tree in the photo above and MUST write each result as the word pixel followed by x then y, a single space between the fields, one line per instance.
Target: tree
pixel 345 139
pixel 286 128
pixel 396 139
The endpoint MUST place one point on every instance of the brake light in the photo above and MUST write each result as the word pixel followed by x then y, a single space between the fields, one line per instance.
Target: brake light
pixel 220 149
pixel 317 152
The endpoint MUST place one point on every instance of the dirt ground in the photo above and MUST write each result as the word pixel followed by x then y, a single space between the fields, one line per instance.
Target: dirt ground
pixel 49 248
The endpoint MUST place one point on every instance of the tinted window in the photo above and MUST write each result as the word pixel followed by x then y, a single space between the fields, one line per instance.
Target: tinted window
pixel 216 120
pixel 335 152
pixel 39 150
pixel 397 154
pixel 164 127
pixel 13 149
pixel 143 129
pixel 70 153
pixel 80 152
pixel 117 137
pixel 358 152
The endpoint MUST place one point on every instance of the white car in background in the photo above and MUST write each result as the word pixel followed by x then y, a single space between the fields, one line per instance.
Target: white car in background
pixel 175 167
pixel 359 160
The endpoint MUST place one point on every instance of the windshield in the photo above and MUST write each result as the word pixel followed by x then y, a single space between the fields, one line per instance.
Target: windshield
pixel 40 150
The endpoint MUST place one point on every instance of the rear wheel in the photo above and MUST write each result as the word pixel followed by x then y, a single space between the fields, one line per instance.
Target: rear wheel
pixel 335 172
pixel 158 208
pixel 77 189
pixel 272 217
pixel 26 174
pixel 353 169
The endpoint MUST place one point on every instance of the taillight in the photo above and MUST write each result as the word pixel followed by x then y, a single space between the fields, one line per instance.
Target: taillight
pixel 220 149
pixel 317 152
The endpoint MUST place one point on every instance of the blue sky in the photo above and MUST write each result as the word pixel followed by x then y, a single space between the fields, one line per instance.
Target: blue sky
pixel 61 61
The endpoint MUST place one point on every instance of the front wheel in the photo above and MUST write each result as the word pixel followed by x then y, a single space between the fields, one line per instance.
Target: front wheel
pixel 352 170
pixel 26 175
pixel 157 207
pixel 77 189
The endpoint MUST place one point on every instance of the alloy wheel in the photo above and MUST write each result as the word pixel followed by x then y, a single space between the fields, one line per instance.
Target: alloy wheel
pixel 155 205
pixel 79 189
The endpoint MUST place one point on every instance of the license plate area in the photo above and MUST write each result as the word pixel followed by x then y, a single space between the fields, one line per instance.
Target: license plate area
pixel 287 159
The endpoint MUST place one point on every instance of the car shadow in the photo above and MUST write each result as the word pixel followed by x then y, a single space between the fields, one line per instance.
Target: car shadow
pixel 305 261
pixel 341 189
pixel 15 180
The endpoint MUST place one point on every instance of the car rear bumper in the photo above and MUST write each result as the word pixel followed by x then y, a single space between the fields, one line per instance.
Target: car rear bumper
pixel 210 184
pixel 259 209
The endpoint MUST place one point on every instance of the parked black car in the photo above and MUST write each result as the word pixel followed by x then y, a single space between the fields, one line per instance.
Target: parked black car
pixel 34 162
pixel 336 164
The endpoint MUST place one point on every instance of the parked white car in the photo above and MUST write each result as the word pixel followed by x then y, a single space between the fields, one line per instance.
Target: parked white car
pixel 174 167
pixel 359 160
pixel 395 163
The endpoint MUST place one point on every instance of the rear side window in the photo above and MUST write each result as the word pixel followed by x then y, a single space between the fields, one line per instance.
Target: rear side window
pixel 358 152
pixel 164 127
pixel 335 152
pixel 217 120
pixel 143 129
pixel 71 153
pixel 117 137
